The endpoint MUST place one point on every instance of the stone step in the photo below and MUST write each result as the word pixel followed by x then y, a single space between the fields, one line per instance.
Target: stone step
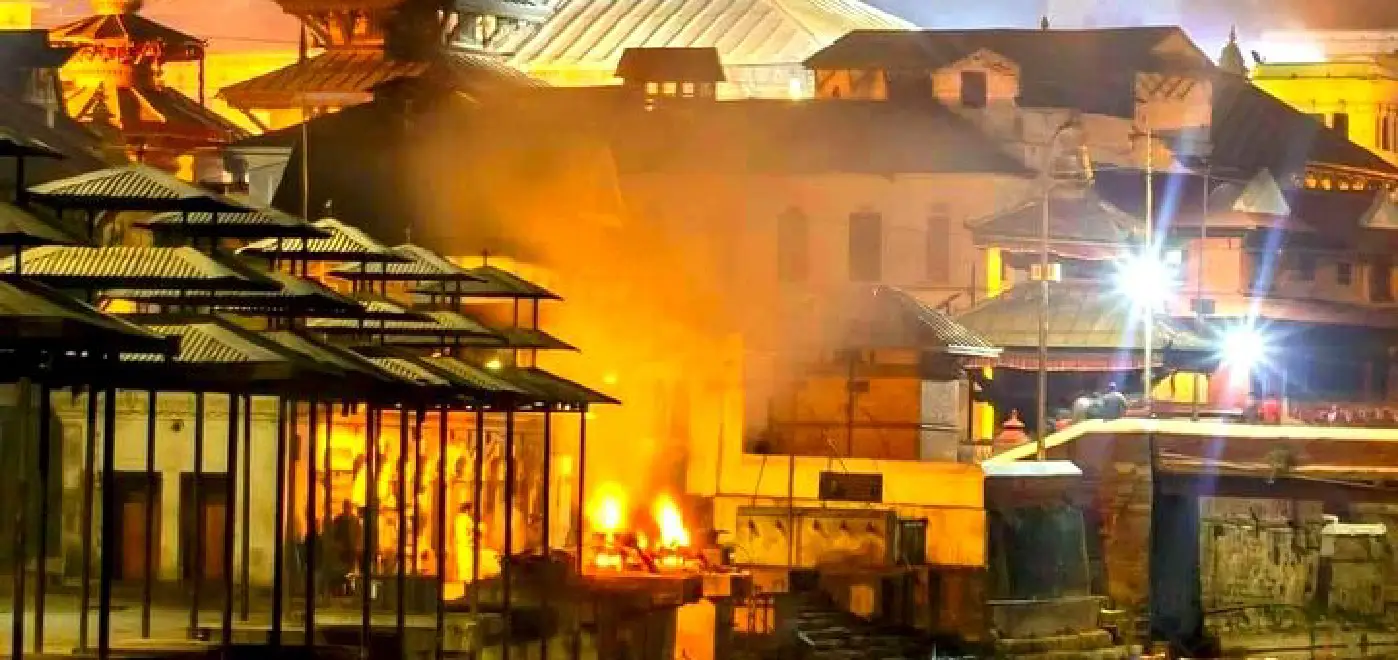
pixel 1084 641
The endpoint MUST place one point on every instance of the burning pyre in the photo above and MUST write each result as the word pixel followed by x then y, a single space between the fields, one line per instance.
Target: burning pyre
pixel 659 545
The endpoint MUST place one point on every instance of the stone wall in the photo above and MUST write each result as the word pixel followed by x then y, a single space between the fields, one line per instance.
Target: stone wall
pixel 1122 562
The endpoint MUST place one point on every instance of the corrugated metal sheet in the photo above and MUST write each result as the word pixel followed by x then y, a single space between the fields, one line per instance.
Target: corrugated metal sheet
pixel 257 223
pixel 423 266
pixel 297 293
pixel 22 301
pixel 344 243
pixel 325 354
pixel 164 267
pixel 128 185
pixel 554 389
pixel 491 282
pixel 477 377
pixel 954 337
pixel 594 33
pixel 439 323
pixel 210 343
pixel 410 371
pixel 19 227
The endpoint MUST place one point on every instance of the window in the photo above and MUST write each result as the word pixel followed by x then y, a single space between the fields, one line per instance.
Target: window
pixel 1305 267
pixel 865 246
pixel 793 246
pixel 1381 281
pixel 1339 122
pixel 1344 273
pixel 974 90
pixel 939 244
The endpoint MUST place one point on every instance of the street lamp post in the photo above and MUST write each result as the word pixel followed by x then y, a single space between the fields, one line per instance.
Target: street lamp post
pixel 1041 417
pixel 1148 372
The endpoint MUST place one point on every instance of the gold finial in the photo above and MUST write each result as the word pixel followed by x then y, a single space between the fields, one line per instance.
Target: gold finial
pixel 1044 22
pixel 113 7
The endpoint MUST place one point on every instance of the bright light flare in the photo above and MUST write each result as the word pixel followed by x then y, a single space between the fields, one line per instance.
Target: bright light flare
pixel 1289 51
pixel 671 523
pixel 608 511
pixel 1244 346
pixel 1146 280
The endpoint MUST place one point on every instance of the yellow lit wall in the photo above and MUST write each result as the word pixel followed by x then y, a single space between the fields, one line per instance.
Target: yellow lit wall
pixel 1365 91
pixel 16 15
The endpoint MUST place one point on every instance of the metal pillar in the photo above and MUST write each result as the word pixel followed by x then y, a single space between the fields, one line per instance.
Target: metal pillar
pixel 419 417
pixel 109 528
pixel 546 495
pixel 197 497
pixel 21 520
pixel 245 570
pixel 148 577
pixel 89 469
pixel 441 516
pixel 401 577
pixel 45 478
pixel 311 532
pixel 230 522
pixel 274 638
pixel 508 555
pixel 579 518
pixel 478 467
pixel 371 504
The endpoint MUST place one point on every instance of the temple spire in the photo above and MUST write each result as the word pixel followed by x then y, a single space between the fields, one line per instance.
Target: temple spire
pixel 1044 22
pixel 1231 59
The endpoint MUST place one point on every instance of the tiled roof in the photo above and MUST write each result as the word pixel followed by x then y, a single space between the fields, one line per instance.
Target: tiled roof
pixel 670 65
pixel 1077 219
pixel 1081 316
pixel 133 187
pixel 491 282
pixel 132 267
pixel 257 223
pixel 1092 70
pixel 1253 130
pixel 423 266
pixel 151 114
pixel 32 312
pixel 932 328
pixel 19 227
pixel 594 33
pixel 344 243
pixel 128 29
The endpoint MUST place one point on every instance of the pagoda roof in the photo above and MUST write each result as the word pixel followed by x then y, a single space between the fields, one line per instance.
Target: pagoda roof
pixel 133 187
pixel 1082 316
pixel 423 265
pixel 151 114
pixel 129 29
pixel 896 318
pixel 77 267
pixel 343 243
pixel 745 32
pixel 1081 224
pixel 254 223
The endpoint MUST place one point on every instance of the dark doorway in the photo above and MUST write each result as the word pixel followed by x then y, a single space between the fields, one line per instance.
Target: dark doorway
pixel 213 501
pixel 133 492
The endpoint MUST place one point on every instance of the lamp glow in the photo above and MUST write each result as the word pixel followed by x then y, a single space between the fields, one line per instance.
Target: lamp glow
pixel 1243 346
pixel 1145 280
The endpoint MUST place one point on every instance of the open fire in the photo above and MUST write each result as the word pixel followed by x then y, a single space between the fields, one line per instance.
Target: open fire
pixel 658 545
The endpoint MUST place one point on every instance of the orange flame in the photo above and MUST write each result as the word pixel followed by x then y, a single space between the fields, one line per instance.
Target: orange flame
pixel 671 523
pixel 608 511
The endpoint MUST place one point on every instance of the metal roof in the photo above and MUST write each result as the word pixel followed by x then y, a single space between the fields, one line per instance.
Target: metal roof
pixel 595 33
pixel 931 323
pixel 210 342
pixel 480 377
pixel 436 323
pixel 423 266
pixel 133 187
pixel 255 223
pixel 80 267
pixel 15 144
pixel 18 227
pixel 36 314
pixel 408 370
pixel 1076 218
pixel 1081 316
pixel 296 296
pixel 343 243
pixel 492 283
pixel 549 388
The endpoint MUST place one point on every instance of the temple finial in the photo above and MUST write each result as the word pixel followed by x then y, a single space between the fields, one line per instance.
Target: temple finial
pixel 1044 22
pixel 485 257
